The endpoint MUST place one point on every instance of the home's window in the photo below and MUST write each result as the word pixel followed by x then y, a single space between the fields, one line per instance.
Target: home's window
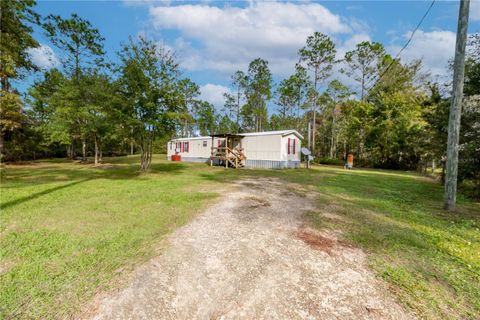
pixel 205 143
pixel 291 146
pixel 185 146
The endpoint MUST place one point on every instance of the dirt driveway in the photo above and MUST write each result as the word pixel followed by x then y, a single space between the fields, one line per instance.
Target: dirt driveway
pixel 249 256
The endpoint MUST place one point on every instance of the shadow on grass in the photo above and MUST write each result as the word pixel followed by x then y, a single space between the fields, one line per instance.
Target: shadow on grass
pixel 167 167
pixel 39 194
pixel 26 177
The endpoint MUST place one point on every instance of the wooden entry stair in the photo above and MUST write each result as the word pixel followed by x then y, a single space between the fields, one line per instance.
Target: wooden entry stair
pixel 226 154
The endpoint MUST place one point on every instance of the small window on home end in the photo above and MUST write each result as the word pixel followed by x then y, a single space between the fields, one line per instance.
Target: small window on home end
pixel 291 146
pixel 205 143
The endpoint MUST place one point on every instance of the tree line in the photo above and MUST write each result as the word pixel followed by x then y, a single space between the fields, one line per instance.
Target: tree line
pixel 387 112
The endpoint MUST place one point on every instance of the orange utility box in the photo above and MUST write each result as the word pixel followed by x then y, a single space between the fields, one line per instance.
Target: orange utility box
pixel 350 161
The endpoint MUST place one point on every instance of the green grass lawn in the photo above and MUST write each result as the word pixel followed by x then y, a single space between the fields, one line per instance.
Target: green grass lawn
pixel 68 230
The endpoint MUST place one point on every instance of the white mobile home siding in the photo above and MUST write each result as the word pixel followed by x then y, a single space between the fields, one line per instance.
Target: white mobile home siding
pixel 262 149
pixel 295 145
pixel 199 149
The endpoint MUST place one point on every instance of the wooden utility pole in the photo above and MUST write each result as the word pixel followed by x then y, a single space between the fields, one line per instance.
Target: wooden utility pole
pixel 456 107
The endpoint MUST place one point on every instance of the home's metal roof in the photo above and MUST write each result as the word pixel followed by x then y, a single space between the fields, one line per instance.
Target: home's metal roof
pixel 247 134
pixel 278 132
pixel 193 138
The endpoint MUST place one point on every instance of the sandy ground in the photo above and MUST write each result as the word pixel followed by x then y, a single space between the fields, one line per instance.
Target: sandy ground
pixel 249 256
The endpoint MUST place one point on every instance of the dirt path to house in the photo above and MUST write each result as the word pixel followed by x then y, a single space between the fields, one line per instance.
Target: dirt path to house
pixel 249 256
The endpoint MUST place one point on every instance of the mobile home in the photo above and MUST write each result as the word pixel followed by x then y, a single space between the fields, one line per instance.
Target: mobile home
pixel 270 149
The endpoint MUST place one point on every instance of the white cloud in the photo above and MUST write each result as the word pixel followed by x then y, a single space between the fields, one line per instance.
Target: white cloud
pixel 228 38
pixel 213 93
pixel 43 57
pixel 435 48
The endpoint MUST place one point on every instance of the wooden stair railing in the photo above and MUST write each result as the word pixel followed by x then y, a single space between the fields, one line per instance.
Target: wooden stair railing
pixel 235 157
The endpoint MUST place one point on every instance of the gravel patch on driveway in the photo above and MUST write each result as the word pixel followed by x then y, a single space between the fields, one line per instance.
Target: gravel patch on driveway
pixel 250 256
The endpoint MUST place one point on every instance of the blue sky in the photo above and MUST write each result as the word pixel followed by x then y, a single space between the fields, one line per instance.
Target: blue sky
pixel 213 39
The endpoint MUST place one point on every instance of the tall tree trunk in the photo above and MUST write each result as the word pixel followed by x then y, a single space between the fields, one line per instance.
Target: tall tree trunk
pixel 314 125
pixel 142 156
pixel 332 138
pixel 131 142
pixel 84 149
pixel 238 112
pixel 360 143
pixel 362 131
pixel 71 151
pixel 314 128
pixel 150 150
pixel 2 155
pixel 96 149
pixel 146 148
pixel 363 86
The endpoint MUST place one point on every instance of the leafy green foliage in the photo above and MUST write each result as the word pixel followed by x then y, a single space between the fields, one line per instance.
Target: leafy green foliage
pixel 362 64
pixel 149 78
pixel 318 56
pixel 206 118
pixel 76 37
pixel 258 90
pixel 291 100
pixel 233 102
pixel 16 19
pixel 16 38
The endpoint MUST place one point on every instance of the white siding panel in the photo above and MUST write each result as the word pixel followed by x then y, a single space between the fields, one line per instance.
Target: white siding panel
pixel 298 146
pixel 262 147
pixel 196 148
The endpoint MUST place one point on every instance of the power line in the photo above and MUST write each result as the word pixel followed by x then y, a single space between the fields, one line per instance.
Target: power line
pixel 404 46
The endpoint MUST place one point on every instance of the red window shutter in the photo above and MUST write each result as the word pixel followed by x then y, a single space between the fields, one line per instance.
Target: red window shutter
pixel 181 146
pixel 219 143
pixel 294 140
pixel 288 146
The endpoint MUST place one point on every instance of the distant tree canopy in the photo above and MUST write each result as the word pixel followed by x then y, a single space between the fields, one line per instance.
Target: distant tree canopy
pixel 16 20
pixel 392 115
